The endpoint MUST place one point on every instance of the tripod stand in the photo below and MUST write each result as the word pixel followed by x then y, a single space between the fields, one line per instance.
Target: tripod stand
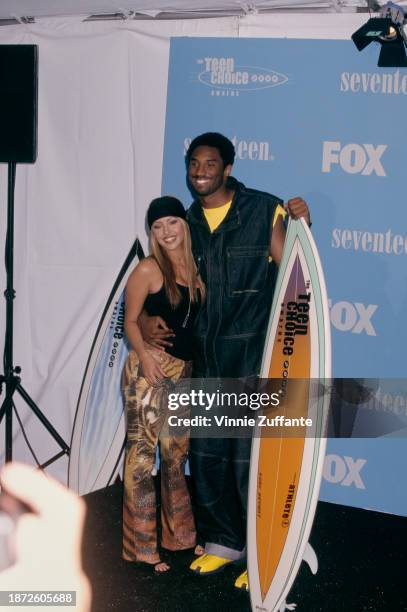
pixel 11 379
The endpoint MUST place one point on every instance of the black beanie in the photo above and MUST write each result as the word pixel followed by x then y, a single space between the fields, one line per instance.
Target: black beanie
pixel 167 206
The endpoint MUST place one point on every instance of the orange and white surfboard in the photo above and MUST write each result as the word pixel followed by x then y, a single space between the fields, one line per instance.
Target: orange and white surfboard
pixel 288 454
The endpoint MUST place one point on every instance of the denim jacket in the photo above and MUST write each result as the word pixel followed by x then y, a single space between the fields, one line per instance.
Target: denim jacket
pixel 234 264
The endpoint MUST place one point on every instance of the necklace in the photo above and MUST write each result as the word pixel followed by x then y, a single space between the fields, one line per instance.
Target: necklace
pixel 185 321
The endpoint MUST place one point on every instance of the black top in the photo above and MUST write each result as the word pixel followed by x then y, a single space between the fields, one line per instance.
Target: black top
pixel 178 319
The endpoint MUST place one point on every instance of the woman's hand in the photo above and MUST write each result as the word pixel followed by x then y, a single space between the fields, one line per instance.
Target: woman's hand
pixel 151 368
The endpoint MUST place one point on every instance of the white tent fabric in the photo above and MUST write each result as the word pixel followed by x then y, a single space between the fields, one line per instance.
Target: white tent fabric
pixel 175 8
pixel 102 96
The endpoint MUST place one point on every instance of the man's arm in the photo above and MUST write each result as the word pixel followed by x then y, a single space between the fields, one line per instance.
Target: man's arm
pixel 297 208
pixel 277 240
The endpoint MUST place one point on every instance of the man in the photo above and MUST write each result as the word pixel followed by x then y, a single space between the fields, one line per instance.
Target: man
pixel 237 240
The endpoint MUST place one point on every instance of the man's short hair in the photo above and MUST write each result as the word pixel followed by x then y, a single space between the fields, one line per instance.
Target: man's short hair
pixel 217 141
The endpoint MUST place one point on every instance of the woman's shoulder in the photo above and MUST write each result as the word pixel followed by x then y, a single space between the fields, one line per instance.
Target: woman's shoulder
pixel 147 269
pixel 149 265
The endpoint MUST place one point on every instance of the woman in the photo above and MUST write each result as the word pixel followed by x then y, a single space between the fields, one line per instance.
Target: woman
pixel 166 284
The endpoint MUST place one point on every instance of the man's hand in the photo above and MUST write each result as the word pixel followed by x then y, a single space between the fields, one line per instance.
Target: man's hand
pixel 155 331
pixel 297 208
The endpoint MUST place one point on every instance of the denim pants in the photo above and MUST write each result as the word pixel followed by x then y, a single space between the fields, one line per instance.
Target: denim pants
pixel 220 471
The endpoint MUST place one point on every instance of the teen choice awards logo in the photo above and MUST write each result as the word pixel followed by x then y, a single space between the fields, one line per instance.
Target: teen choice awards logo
pixel 225 77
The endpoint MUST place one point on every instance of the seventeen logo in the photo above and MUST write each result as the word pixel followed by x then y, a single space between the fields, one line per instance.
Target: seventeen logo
pixel 369 242
pixel 355 318
pixel 252 150
pixel 376 83
pixel 354 158
pixel 345 471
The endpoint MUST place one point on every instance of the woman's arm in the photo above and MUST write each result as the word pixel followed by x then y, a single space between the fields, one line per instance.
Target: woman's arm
pixel 146 277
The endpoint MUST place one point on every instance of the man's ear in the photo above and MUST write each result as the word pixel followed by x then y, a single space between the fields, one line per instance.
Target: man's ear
pixel 228 170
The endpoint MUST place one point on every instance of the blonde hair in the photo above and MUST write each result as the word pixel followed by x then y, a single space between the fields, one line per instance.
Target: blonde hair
pixel 195 285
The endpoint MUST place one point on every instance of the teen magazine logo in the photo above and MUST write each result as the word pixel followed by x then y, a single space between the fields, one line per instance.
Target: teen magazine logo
pixel 225 77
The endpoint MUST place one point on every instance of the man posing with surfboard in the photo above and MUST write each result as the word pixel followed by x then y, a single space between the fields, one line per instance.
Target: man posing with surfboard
pixel 237 240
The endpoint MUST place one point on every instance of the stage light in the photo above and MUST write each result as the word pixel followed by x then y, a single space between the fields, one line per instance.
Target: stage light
pixel 387 30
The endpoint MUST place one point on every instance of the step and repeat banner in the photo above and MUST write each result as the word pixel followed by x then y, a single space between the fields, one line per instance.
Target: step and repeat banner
pixel 319 119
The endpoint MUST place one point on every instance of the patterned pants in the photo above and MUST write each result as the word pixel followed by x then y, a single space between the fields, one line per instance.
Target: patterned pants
pixel 147 424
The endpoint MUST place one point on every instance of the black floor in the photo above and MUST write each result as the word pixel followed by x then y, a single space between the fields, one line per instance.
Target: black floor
pixel 362 566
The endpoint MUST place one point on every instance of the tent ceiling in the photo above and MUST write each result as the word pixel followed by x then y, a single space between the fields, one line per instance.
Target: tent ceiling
pixel 170 9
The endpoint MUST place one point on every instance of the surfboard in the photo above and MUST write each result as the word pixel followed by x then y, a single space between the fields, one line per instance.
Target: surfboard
pixel 98 434
pixel 286 462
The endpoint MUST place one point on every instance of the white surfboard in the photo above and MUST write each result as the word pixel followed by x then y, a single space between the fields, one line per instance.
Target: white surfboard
pixel 286 462
pixel 99 428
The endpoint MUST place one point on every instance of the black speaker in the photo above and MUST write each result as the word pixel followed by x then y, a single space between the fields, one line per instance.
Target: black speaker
pixel 18 103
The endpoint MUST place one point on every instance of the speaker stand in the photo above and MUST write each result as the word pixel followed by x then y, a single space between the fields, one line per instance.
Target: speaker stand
pixel 11 379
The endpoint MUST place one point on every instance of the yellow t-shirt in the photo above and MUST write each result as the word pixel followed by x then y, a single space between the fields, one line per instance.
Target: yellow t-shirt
pixel 215 216
pixel 279 212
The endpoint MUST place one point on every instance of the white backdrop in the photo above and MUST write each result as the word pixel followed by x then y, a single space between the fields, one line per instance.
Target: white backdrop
pixel 102 95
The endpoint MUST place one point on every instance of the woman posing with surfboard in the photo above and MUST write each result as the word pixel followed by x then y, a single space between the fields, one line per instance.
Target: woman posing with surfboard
pixel 166 285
